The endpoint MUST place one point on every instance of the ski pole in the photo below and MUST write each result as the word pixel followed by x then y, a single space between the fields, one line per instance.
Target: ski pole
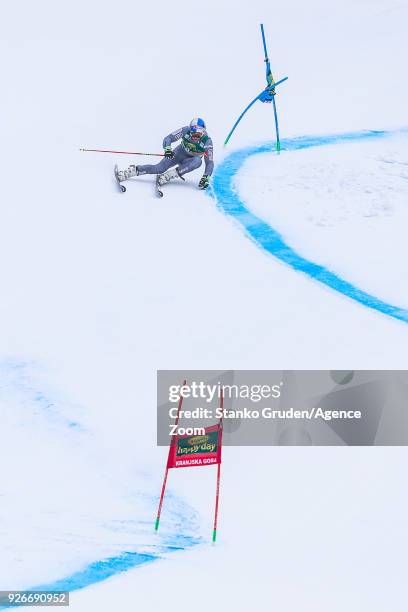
pixel 122 152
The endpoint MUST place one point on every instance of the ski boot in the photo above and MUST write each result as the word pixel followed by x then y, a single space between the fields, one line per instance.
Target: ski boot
pixel 124 175
pixel 164 178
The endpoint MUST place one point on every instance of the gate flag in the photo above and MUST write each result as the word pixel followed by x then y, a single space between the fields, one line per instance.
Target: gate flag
pixel 188 451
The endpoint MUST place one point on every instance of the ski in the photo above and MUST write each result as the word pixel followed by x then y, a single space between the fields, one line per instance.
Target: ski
pixel 122 187
pixel 159 192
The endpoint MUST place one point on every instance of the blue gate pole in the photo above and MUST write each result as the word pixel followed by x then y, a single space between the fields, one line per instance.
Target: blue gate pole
pixel 268 72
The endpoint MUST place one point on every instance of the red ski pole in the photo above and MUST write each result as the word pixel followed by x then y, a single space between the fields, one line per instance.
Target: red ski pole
pixel 122 152
pixel 126 152
pixel 156 526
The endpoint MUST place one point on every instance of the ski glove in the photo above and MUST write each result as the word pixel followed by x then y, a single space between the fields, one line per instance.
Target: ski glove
pixel 168 152
pixel 204 181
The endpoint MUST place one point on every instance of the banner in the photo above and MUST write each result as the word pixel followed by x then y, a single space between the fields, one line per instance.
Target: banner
pixel 191 451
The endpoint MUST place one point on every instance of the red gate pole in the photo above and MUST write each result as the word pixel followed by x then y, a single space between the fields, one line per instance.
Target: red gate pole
pixel 217 490
pixel 217 497
pixel 156 526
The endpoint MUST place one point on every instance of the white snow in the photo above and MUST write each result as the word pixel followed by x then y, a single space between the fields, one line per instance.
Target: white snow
pixel 100 289
pixel 323 200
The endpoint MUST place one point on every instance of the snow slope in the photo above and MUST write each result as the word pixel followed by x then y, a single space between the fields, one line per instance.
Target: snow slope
pixel 325 206
pixel 99 290
pixel 268 238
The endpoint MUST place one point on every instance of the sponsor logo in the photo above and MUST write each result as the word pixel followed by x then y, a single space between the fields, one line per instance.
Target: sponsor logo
pixel 186 462
pixel 197 440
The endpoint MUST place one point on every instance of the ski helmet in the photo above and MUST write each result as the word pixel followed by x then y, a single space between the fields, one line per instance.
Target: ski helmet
pixel 197 127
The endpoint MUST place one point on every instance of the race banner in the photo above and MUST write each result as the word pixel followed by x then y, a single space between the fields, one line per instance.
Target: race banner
pixel 193 451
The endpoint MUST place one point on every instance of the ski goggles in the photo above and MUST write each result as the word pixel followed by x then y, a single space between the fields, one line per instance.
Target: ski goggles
pixel 196 132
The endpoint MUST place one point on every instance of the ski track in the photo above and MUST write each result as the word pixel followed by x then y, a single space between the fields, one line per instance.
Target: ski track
pixel 102 569
pixel 125 561
pixel 269 239
pixel 19 383
pixel 106 568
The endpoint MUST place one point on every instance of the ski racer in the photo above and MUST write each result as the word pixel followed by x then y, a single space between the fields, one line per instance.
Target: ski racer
pixel 187 156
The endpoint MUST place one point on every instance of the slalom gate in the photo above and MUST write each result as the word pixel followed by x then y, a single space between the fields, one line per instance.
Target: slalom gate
pixel 195 451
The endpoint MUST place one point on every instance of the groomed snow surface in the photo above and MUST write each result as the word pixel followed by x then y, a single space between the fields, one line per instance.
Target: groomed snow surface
pixel 325 199
pixel 100 289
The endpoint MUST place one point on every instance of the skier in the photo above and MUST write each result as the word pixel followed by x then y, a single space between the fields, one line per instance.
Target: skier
pixel 187 156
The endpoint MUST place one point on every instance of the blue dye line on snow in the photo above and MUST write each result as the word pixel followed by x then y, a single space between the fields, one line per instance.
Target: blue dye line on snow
pixel 106 568
pixel 20 377
pixel 266 237
pixel 98 571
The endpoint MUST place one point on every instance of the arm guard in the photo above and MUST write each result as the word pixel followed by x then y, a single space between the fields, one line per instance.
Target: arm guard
pixel 176 135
